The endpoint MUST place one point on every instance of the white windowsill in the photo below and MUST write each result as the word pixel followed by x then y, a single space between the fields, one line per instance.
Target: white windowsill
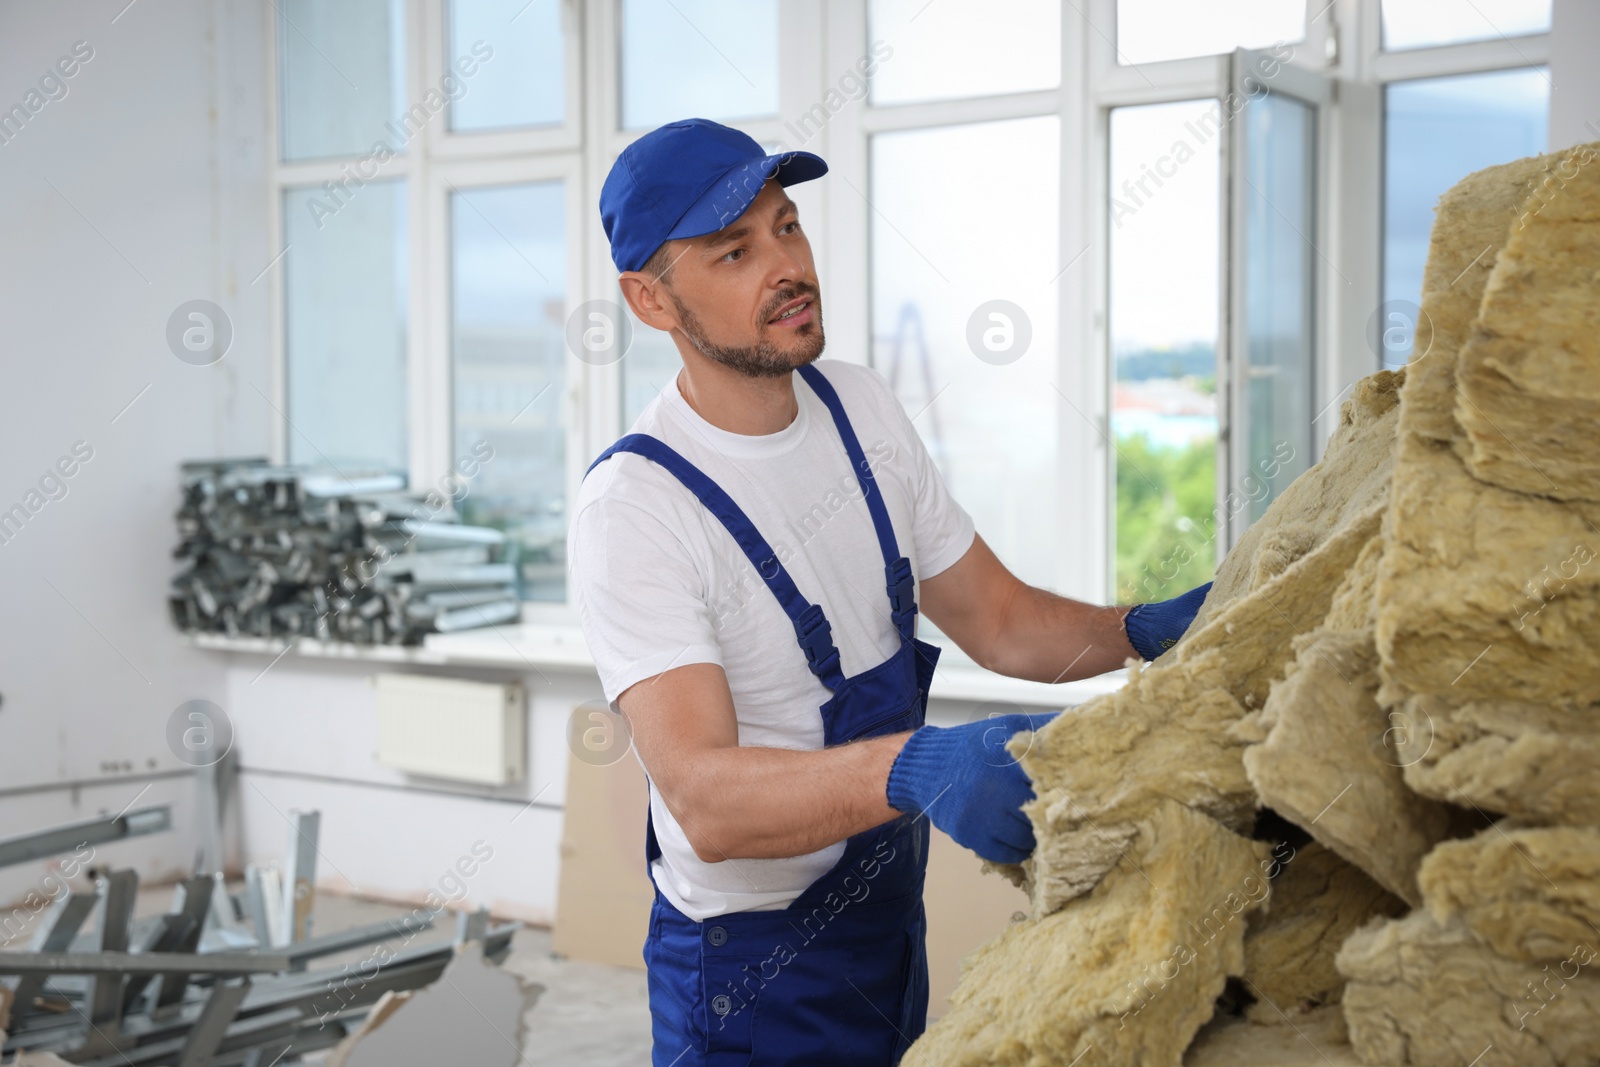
pixel 961 681
pixel 530 646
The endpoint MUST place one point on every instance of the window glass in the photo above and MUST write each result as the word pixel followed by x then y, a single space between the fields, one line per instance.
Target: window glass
pixel 923 51
pixel 1165 218
pixel 709 59
pixel 341 76
pixel 508 60
pixel 1427 23
pixel 965 320
pixel 507 338
pixel 1280 271
pixel 1436 132
pixel 344 300
pixel 1149 31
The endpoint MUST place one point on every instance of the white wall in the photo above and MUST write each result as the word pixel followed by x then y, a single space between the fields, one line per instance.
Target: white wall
pixel 306 734
pixel 138 190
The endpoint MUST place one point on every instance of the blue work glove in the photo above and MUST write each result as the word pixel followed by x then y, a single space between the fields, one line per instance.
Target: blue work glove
pixel 969 785
pixel 1154 628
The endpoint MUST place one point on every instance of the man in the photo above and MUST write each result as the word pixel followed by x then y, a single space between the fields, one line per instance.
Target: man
pixel 785 834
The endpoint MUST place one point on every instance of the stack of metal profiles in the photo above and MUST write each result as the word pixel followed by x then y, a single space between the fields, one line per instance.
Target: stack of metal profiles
pixel 200 985
pixel 295 552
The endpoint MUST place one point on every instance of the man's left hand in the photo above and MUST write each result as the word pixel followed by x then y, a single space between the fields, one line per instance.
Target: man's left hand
pixel 1153 628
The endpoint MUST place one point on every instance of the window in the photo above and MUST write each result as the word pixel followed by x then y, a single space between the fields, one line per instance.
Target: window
pixel 1437 131
pixel 436 217
pixel 964 318
pixel 522 84
pixel 1045 278
pixel 345 328
pixel 1431 23
pixel 1164 295
pixel 508 297
pixel 1149 31
pixel 380 151
pixel 1275 354
pixel 928 49
pixel 340 75
pixel 711 59
pixel 964 254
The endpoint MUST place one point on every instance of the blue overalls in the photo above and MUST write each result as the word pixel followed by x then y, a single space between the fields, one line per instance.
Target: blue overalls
pixel 840 976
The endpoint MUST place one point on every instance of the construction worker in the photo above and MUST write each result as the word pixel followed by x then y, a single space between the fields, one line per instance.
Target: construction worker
pixel 785 836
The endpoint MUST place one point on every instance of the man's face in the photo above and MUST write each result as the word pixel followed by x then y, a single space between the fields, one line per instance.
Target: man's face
pixel 725 291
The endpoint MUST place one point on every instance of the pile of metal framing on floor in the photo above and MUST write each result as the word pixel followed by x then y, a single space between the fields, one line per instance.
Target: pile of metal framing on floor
pixel 199 985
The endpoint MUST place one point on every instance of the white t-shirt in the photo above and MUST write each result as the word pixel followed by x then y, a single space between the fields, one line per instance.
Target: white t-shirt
pixel 660 583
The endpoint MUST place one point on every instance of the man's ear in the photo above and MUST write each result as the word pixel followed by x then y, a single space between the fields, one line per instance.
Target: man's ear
pixel 646 295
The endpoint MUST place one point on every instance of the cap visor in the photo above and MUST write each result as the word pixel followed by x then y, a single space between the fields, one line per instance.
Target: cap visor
pixel 731 195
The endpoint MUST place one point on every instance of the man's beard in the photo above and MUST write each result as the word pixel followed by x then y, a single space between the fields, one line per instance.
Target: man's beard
pixel 763 360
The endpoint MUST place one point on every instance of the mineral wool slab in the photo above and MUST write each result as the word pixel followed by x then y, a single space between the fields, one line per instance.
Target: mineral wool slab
pixel 1419 992
pixel 1529 892
pixel 1130 971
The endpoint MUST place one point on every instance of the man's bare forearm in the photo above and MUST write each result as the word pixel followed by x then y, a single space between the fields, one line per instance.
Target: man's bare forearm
pixel 1049 638
pixel 744 802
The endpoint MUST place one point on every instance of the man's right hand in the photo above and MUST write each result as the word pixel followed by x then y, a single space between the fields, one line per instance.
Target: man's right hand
pixel 969 786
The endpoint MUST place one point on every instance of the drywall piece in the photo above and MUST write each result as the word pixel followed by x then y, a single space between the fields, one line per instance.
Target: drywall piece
pixel 391 1002
pixel 1532 761
pixel 1326 763
pixel 604 893
pixel 1317 901
pixel 1171 732
pixel 1317 1039
pixel 1532 893
pixel 472 1014
pixel 1481 582
pixel 1431 994
pixel 1132 970
pixel 1529 397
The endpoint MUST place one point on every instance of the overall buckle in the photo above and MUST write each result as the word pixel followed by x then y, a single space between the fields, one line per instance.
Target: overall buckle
pixel 815 635
pixel 902 604
pixel 901 585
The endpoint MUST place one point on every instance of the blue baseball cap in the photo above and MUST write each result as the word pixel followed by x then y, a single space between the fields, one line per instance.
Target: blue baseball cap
pixel 687 179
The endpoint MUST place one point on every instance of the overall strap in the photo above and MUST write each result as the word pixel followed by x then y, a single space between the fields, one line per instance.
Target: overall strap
pixel 811 627
pixel 897 568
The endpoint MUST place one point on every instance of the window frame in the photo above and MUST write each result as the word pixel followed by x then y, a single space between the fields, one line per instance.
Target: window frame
pixel 1378 69
pixel 850 300
pixel 821 40
pixel 578 152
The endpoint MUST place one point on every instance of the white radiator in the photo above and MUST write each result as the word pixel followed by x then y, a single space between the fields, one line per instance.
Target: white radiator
pixel 448 728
